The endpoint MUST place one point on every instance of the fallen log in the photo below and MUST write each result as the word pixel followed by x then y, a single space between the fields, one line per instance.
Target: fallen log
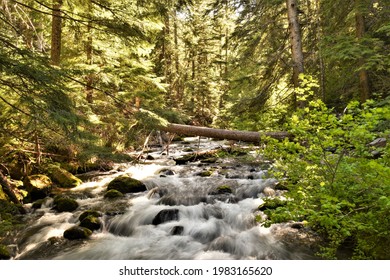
pixel 238 135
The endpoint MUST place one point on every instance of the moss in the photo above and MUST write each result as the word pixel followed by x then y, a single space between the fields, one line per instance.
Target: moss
pixel 65 204
pixel 126 184
pixel 4 254
pixel 91 222
pixel 87 213
pixel 38 186
pixel 63 178
pixel 206 173
pixel 272 203
pixel 113 194
pixel 77 232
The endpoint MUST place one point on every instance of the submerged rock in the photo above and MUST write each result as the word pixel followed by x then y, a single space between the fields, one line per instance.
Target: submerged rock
pixel 77 232
pixel 222 190
pixel 177 230
pixel 113 194
pixel 126 184
pixel 166 215
pixel 65 204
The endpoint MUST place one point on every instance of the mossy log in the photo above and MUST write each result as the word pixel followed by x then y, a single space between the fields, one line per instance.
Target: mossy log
pixel 238 135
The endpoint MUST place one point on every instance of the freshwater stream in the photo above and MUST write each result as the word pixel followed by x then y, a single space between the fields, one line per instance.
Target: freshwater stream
pixel 206 224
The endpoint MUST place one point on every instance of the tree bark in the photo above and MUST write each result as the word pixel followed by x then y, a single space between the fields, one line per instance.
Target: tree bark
pixel 8 189
pixel 364 86
pixel 56 32
pixel 296 45
pixel 238 135
pixel 89 54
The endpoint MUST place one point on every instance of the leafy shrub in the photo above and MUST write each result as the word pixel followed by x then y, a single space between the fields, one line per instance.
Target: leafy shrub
pixel 337 182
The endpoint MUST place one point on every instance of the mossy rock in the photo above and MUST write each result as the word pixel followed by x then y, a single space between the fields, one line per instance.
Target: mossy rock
pixel 4 253
pixel 87 213
pixel 113 194
pixel 77 232
pixel 91 222
pixel 206 173
pixel 38 186
pixel 222 190
pixel 63 178
pixel 65 204
pixel 126 184
pixel 38 203
pixel 272 203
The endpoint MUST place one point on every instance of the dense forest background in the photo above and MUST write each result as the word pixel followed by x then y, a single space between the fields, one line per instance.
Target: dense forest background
pixel 84 80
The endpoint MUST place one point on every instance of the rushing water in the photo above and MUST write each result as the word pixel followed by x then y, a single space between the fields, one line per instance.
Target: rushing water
pixel 204 225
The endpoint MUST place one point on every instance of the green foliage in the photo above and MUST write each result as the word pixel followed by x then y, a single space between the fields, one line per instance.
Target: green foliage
pixel 335 181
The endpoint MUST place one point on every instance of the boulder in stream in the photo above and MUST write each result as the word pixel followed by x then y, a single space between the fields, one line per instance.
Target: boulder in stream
pixel 63 178
pixel 222 190
pixel 126 184
pixel 113 194
pixel 77 232
pixel 166 215
pixel 65 204
pixel 91 222
pixel 38 186
pixel 87 213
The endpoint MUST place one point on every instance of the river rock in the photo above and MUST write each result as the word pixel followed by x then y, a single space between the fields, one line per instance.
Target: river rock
pixel 126 184
pixel 166 215
pixel 63 178
pixel 4 253
pixel 77 232
pixel 91 222
pixel 222 190
pixel 65 204
pixel 87 213
pixel 272 203
pixel 38 186
pixel 113 194
pixel 177 230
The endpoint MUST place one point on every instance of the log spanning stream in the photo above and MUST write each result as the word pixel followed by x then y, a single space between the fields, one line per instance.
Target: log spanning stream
pixel 195 220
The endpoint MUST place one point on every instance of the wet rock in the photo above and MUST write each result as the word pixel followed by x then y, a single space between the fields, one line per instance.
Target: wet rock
pixel 38 204
pixel 222 190
pixel 91 222
pixel 298 225
pixel 206 173
pixel 166 172
pixel 126 184
pixel 38 186
pixel 65 204
pixel 4 253
pixel 149 157
pixel 87 213
pixel 77 232
pixel 113 194
pixel 63 178
pixel 166 215
pixel 177 230
pixel 268 191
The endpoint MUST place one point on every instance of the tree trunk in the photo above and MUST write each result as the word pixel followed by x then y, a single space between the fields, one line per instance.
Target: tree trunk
pixel 364 87
pixel 246 136
pixel 8 189
pixel 89 53
pixel 296 45
pixel 56 30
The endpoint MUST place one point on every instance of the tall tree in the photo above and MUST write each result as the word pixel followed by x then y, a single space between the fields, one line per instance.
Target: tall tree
pixel 56 32
pixel 364 87
pixel 296 45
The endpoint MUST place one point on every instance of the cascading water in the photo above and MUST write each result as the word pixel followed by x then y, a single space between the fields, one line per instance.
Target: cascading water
pixel 181 216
